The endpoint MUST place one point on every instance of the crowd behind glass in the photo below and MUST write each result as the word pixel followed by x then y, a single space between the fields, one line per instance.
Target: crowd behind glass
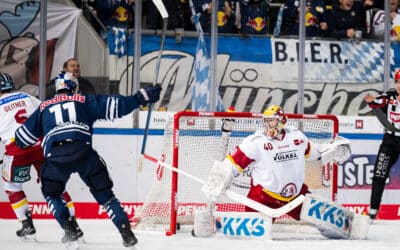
pixel 338 19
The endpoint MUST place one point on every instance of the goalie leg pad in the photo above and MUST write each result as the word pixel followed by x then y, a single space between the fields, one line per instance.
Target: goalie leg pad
pixel 218 180
pixel 358 231
pixel 332 220
pixel 243 225
pixel 360 226
pixel 204 223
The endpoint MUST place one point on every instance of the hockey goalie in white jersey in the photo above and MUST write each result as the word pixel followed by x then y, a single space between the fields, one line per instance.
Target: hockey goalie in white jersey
pixel 277 158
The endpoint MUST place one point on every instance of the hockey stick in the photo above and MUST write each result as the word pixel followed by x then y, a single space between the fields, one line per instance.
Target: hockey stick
pixel 164 14
pixel 271 212
pixel 225 136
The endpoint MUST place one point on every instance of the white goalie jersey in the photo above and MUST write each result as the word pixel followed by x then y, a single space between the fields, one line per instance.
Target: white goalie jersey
pixel 277 164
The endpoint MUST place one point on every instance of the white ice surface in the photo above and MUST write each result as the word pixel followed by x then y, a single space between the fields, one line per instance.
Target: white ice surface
pixel 101 234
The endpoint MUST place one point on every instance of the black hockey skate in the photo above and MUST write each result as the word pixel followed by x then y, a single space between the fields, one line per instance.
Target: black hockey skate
pixel 78 229
pixel 70 232
pixel 70 238
pixel 372 213
pixel 128 237
pixel 28 231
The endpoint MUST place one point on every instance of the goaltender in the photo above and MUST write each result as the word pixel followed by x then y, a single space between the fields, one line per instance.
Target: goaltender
pixel 277 156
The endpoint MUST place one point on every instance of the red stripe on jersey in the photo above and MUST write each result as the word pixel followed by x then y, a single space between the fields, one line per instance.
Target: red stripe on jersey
pixel 378 103
pixel 298 141
pixel 240 158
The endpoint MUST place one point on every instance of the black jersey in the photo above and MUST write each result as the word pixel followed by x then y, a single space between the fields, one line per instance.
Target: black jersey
pixel 339 21
pixel 387 109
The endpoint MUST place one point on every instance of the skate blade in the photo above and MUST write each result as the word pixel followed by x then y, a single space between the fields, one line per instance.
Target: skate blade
pixel 132 247
pixel 82 240
pixel 28 238
pixel 72 245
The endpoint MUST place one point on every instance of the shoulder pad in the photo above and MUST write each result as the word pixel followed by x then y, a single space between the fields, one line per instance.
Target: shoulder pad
pixel 257 134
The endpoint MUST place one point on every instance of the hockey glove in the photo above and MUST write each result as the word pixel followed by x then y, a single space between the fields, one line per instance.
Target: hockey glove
pixel 227 125
pixel 218 180
pixel 149 94
pixel 338 150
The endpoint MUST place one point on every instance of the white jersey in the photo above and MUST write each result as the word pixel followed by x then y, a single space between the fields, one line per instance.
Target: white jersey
pixel 277 164
pixel 378 25
pixel 15 108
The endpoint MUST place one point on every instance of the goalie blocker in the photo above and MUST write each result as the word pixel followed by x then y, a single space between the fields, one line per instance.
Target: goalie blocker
pixel 333 220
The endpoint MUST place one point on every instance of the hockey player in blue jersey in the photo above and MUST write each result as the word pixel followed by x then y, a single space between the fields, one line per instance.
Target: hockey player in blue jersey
pixel 66 124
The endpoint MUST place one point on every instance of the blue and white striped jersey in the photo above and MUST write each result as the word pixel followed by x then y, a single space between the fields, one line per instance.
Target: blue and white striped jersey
pixel 71 117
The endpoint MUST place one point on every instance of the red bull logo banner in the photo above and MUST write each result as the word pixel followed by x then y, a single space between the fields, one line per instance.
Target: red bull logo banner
pixel 257 23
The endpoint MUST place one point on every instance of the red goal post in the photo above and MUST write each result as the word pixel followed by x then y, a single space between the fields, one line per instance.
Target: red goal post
pixel 193 140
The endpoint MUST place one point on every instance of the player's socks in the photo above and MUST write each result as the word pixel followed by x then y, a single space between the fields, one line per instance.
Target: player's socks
pixel 372 213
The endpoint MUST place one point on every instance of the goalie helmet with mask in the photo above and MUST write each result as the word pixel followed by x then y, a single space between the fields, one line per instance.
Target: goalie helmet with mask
pixel 6 82
pixel 274 120
pixel 65 83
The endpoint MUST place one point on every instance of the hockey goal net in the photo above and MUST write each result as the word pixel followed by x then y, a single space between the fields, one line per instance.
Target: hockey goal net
pixel 193 140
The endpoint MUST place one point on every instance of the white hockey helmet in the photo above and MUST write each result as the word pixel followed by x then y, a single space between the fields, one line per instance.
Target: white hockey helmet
pixel 65 81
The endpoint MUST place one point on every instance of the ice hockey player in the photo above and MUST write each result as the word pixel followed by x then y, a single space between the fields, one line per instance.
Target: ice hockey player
pixel 66 124
pixel 277 156
pixel 15 108
pixel 387 110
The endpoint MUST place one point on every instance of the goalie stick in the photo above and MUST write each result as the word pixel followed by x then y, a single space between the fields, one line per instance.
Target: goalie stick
pixel 203 225
pixel 164 14
pixel 271 212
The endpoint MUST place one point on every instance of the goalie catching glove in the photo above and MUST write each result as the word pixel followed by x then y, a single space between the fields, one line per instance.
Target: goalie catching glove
pixel 218 180
pixel 338 149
